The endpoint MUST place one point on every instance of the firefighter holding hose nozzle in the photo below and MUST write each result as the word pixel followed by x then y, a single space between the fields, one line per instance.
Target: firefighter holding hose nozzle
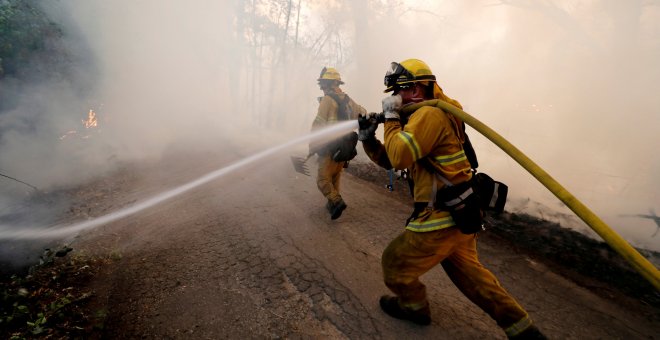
pixel 432 144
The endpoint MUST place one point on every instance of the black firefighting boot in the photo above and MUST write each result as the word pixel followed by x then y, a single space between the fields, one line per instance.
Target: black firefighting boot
pixel 530 333
pixel 390 305
pixel 336 208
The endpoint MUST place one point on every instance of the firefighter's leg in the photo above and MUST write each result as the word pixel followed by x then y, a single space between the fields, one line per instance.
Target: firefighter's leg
pixel 482 288
pixel 328 183
pixel 336 179
pixel 409 256
pixel 326 177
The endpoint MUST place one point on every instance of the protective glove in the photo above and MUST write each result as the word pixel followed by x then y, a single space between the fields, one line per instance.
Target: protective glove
pixel 368 124
pixel 391 107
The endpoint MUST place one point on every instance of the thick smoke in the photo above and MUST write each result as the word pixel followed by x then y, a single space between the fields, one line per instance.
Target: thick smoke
pixel 573 86
pixel 162 77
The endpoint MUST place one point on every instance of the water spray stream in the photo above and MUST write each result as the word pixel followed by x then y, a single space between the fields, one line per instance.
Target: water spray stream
pixel 7 232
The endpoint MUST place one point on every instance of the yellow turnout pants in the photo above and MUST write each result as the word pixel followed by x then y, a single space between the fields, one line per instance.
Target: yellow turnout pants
pixel 327 180
pixel 412 254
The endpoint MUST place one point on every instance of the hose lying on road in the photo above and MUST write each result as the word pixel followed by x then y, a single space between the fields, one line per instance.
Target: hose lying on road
pixel 640 263
pixel 19 181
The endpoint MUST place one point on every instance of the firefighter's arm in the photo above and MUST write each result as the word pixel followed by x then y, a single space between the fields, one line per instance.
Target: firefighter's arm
pixel 408 145
pixel 397 150
pixel 323 113
pixel 357 110
pixel 368 123
pixel 321 120
pixel 375 150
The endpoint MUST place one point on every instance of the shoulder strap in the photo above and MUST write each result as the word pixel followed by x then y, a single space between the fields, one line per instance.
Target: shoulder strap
pixel 469 151
pixel 342 112
pixel 459 127
pixel 426 164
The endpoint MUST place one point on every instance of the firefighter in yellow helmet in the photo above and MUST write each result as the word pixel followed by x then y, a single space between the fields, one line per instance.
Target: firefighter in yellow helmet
pixel 333 157
pixel 430 142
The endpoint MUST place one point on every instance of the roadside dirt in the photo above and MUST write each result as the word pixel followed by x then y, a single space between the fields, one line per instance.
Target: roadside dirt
pixel 254 255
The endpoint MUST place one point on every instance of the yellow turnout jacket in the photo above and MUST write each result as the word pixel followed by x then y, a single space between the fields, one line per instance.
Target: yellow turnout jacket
pixel 328 113
pixel 436 135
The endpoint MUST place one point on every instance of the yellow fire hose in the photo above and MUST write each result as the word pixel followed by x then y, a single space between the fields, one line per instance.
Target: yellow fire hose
pixel 640 263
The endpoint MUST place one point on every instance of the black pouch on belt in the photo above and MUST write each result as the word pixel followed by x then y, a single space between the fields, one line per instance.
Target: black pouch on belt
pixel 344 148
pixel 464 205
pixel 491 192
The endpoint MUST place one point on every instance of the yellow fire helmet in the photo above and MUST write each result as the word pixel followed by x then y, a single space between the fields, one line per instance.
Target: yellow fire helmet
pixel 406 72
pixel 414 70
pixel 330 73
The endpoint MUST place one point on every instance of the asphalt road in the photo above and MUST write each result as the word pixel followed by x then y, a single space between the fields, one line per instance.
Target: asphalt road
pixel 254 254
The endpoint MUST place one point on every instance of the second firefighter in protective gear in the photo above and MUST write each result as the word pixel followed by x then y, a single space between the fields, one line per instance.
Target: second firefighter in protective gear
pixel 333 157
pixel 429 142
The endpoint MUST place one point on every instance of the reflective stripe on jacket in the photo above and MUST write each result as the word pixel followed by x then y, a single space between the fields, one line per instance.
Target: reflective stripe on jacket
pixel 430 133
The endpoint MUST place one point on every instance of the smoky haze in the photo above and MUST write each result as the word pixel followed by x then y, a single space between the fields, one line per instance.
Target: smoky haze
pixel 571 85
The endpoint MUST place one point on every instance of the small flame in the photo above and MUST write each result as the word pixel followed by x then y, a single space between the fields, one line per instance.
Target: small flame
pixel 91 120
pixel 89 123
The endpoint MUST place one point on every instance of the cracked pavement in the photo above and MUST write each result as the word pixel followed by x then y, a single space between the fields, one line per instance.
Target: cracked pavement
pixel 255 255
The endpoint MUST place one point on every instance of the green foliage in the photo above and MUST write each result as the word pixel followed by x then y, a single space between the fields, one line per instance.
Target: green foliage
pixel 46 303
pixel 24 32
